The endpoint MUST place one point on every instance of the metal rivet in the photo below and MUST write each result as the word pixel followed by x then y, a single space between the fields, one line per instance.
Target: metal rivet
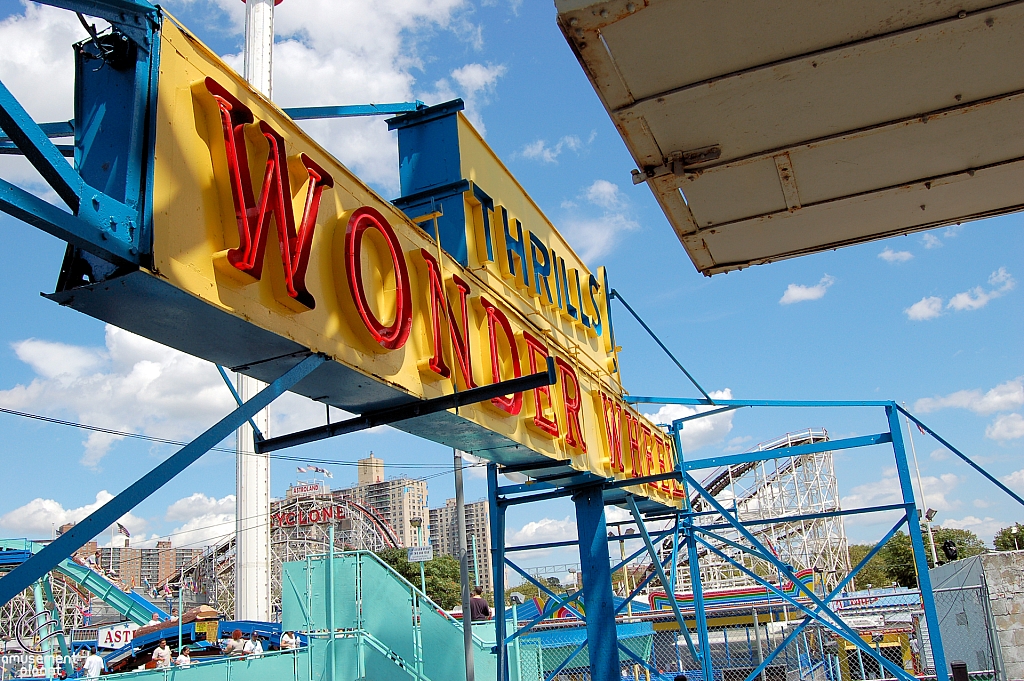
pixel 579 32
pixel 604 14
pixel 574 21
pixel 630 7
pixel 95 201
pixel 962 14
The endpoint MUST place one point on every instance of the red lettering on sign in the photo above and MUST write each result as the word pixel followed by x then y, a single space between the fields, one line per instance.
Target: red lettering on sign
pixel 572 399
pixel 612 411
pixel 439 304
pixel 633 436
pixel 252 215
pixel 496 319
pixel 536 350
pixel 393 336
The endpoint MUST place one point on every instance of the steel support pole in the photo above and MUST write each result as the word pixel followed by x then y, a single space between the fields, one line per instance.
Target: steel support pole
pixel 497 520
pixel 252 472
pixel 331 624
pixel 467 618
pixel 698 600
pixel 602 642
pixel 924 582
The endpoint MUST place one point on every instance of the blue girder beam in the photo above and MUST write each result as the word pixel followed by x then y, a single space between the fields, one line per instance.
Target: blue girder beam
pixel 784 452
pixel 65 545
pixel 301 113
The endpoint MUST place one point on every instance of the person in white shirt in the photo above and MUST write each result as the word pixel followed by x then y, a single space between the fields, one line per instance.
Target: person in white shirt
pixel 93 665
pixel 288 641
pixel 162 655
pixel 254 646
pixel 184 658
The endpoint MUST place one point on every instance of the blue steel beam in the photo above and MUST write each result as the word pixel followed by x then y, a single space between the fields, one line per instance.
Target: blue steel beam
pixel 8 148
pixel 640 399
pixel 639 587
pixel 43 215
pixel 106 226
pixel 924 581
pixel 597 583
pixel 707 398
pixel 65 545
pixel 960 454
pixel 257 435
pixel 301 113
pixel 807 516
pixel 52 130
pixel 562 601
pixel 497 523
pixel 838 625
pixel 828 599
pixel 784 452
pixel 661 575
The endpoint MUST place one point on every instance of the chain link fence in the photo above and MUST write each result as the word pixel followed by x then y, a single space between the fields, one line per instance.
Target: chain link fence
pixel 737 647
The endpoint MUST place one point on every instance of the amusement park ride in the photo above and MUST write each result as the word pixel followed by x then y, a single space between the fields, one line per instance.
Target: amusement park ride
pixel 457 313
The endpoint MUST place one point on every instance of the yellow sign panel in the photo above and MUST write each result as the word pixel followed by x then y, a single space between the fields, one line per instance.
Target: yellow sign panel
pixel 254 218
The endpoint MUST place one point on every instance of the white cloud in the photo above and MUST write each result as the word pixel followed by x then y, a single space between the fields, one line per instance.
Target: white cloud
pixel 926 308
pixel 887 491
pixel 134 385
pixel 539 150
pixel 596 237
pixel 939 454
pixel 1015 480
pixel 798 293
pixel 38 518
pixel 931 241
pixel 199 504
pixel 891 256
pixel 985 528
pixel 699 432
pixel 977 298
pixel 543 531
pixel 982 503
pixel 1003 397
pixel 1006 427
pixel 207 520
pixel 605 194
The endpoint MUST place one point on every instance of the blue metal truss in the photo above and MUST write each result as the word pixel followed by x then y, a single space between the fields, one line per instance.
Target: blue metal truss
pixel 691 531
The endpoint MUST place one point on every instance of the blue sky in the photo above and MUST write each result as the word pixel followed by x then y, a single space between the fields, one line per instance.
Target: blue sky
pixel 933 319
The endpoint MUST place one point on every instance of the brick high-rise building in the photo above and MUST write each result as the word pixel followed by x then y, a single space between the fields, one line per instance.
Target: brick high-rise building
pixel 444 535
pixel 398 500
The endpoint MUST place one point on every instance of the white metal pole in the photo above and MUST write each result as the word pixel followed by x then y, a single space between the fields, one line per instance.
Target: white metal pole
pixel 920 489
pixel 467 619
pixel 252 478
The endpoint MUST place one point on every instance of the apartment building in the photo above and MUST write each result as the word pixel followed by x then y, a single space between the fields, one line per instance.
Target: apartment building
pixel 444 535
pixel 398 500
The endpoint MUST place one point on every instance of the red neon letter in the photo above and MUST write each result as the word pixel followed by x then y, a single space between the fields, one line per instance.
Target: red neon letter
pixel 633 434
pixel 573 403
pixel 495 319
pixel 612 409
pixel 537 350
pixel 460 341
pixel 394 336
pixel 275 198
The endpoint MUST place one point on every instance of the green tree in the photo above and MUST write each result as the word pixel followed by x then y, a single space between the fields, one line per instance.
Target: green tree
pixel 442 576
pixel 871 575
pixel 898 555
pixel 1007 540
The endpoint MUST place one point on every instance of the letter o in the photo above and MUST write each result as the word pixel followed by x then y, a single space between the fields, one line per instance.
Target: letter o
pixel 394 336
pixel 314 516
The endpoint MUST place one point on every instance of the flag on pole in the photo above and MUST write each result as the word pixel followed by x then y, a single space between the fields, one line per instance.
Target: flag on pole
pixel 920 428
pixel 317 469
pixel 123 530
pixel 302 469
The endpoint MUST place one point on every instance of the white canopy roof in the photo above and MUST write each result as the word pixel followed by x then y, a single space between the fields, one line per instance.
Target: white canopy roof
pixel 772 129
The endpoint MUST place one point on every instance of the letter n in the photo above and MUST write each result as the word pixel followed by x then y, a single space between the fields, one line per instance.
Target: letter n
pixel 440 305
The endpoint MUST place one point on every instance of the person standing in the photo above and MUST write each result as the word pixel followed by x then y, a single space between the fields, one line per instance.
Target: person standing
pixel 93 665
pixel 254 646
pixel 478 608
pixel 184 658
pixel 236 646
pixel 162 655
pixel 288 641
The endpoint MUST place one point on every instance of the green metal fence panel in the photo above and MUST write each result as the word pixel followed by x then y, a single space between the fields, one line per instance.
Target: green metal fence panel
pixel 387 608
pixel 300 612
pixel 379 666
pixel 444 656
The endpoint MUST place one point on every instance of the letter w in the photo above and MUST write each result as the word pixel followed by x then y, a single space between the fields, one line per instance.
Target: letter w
pixel 275 198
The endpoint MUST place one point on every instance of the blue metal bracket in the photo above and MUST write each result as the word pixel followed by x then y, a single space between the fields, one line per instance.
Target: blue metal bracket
pixel 301 113
pixel 96 522
pixel 786 452
pixel 257 435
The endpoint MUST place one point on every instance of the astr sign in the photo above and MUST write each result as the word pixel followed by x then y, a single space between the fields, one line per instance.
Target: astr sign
pixel 255 219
